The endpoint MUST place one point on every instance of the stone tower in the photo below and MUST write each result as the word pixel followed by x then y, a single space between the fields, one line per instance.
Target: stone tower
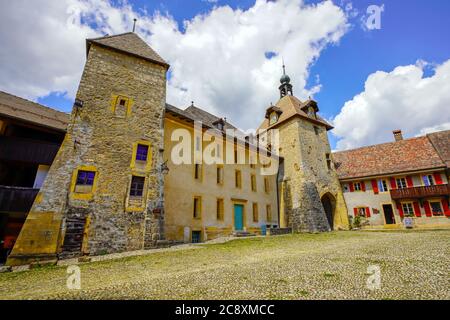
pixel 311 198
pixel 104 191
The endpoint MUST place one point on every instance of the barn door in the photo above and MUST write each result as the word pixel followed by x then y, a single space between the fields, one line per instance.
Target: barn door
pixel 73 239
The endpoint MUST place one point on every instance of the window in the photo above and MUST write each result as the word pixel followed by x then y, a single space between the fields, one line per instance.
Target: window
pixel 408 209
pixel 238 179
pixel 255 212
pixel 401 183
pixel 196 236
pixel 253 181
pixel 428 180
pixel 141 152
pixel 269 212
pixel 436 208
pixel 316 130
pixel 357 186
pixel 219 209
pixel 266 185
pixel 362 212
pixel 328 157
pixel 85 178
pixel 219 175
pixel 346 188
pixel 382 185
pixel 197 171
pixel 235 156
pixel 137 186
pixel 273 118
pixel 197 207
pixel 121 106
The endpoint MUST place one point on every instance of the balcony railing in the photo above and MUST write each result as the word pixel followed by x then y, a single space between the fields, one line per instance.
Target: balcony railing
pixel 16 199
pixel 25 150
pixel 421 192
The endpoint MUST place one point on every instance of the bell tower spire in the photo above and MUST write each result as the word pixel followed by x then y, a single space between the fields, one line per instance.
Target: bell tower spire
pixel 285 87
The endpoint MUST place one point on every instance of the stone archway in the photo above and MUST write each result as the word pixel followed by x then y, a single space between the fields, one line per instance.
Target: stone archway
pixel 329 205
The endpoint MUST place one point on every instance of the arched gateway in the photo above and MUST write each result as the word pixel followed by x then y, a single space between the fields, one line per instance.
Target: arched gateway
pixel 329 205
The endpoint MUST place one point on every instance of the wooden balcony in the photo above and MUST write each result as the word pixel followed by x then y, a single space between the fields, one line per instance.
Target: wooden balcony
pixel 16 199
pixel 421 192
pixel 25 150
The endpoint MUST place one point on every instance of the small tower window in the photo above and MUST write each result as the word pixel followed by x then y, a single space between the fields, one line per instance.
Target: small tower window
pixel 137 186
pixel 273 118
pixel 121 106
pixel 142 152
pixel 329 164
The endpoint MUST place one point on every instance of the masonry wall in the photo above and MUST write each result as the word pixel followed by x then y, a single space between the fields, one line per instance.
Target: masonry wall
pixel 307 178
pixel 102 140
pixel 181 188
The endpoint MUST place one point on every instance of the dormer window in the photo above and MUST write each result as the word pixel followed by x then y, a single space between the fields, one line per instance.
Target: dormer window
pixel 220 126
pixel 311 112
pixel 273 118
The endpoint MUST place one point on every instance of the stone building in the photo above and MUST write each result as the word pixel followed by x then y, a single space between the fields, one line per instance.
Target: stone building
pixel 116 183
pixel 409 178
pixel 311 199
pixel 103 192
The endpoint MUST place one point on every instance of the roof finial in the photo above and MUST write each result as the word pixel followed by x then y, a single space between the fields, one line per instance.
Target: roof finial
pixel 192 103
pixel 284 67
pixel 134 24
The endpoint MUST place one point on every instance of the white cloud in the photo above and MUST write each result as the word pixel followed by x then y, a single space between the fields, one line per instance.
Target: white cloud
pixel 400 99
pixel 218 59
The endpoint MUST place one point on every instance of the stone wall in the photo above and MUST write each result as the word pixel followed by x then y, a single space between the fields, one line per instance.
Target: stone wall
pixel 102 139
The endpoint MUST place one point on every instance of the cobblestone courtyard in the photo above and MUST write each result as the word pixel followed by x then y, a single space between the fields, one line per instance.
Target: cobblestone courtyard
pixel 414 265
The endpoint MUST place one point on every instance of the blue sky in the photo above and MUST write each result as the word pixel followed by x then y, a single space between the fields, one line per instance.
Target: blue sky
pixel 411 30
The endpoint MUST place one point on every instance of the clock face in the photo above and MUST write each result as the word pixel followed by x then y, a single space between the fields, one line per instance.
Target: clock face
pixel 273 118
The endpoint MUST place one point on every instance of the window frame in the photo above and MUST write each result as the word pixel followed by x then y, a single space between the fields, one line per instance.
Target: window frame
pixel 197 207
pixel 253 182
pixel 238 179
pixel 138 193
pixel 402 179
pixel 383 185
pixel 220 208
pixel 268 213
pixel 410 207
pixel 441 213
pixel 255 212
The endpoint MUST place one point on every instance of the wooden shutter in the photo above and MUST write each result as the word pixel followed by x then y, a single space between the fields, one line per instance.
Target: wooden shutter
pixel 437 178
pixel 393 184
pixel 363 186
pixel 368 212
pixel 355 211
pixel 409 182
pixel 400 210
pixel 445 206
pixel 350 185
pixel 426 206
pixel 417 209
pixel 375 186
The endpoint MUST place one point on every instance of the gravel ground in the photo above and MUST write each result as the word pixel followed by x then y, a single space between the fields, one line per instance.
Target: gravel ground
pixel 413 264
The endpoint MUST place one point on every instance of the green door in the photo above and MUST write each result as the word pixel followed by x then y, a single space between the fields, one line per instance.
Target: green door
pixel 238 217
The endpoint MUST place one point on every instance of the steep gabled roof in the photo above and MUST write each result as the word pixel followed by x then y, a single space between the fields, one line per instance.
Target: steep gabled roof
pixel 128 43
pixel 441 142
pixel 292 107
pixel 28 111
pixel 388 158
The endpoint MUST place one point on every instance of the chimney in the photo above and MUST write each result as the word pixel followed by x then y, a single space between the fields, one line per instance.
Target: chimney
pixel 398 135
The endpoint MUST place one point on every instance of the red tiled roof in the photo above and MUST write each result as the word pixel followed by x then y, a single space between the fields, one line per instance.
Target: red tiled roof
pixel 387 158
pixel 441 142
